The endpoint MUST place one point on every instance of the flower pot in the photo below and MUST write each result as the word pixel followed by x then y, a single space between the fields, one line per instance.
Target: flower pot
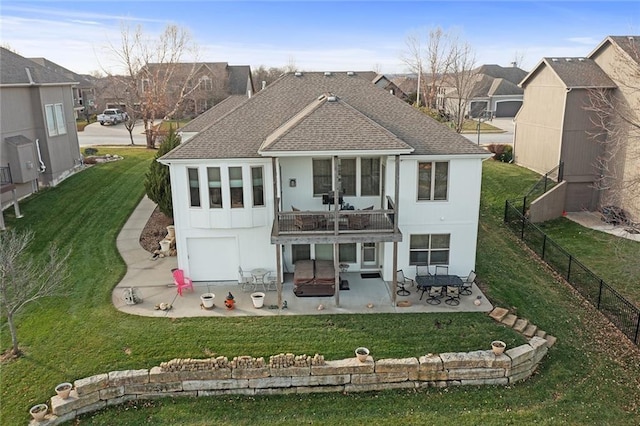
pixel 362 354
pixel 498 346
pixel 63 390
pixel 38 412
pixel 207 300
pixel 171 231
pixel 258 299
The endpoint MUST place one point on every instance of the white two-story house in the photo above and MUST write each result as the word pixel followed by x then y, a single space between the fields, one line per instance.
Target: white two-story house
pixel 255 189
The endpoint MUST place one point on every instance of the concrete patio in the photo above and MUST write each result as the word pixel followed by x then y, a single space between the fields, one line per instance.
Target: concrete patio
pixel 152 282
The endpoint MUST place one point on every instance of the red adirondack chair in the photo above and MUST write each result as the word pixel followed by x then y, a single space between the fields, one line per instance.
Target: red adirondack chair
pixel 181 281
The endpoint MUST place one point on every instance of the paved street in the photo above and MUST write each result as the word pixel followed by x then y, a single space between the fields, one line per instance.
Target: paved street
pixel 505 124
pixel 95 134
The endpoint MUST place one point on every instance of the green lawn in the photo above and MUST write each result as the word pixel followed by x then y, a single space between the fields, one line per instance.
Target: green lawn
pixel 623 274
pixel 581 381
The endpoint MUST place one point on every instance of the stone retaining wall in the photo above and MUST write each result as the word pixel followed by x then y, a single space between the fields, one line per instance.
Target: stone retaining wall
pixel 287 374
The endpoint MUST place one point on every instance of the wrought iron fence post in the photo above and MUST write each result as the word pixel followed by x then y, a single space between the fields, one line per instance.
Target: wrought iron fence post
pixel 522 228
pixel 638 331
pixel 569 269
pixel 506 207
pixel 599 295
pixel 544 244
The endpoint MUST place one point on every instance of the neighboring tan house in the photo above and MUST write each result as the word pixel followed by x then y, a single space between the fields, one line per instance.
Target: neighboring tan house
pixel 39 139
pixel 210 116
pixel 383 82
pixel 256 188
pixel 203 83
pixel 554 124
pixel 83 92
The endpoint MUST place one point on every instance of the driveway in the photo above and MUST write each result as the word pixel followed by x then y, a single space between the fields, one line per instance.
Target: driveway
pixel 110 134
pixel 505 137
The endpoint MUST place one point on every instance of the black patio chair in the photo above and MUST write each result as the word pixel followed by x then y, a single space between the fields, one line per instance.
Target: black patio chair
pixel 402 283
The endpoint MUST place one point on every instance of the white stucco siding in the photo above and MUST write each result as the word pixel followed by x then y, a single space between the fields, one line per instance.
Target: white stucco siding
pixel 457 216
pixel 249 226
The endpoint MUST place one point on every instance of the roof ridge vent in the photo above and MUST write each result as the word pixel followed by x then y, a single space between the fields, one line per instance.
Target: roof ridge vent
pixel 328 73
pixel 351 73
pixel 298 74
pixel 332 98
pixel 321 97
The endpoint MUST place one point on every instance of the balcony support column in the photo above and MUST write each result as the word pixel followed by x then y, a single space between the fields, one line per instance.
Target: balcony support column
pixel 396 198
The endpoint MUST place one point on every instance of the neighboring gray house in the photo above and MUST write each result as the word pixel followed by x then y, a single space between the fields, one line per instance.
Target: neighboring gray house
pixel 495 92
pixel 83 92
pixel 38 135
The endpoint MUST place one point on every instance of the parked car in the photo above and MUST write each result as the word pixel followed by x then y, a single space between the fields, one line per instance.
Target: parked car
pixel 112 116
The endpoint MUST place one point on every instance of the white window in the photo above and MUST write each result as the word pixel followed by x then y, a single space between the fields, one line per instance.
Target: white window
pixel 433 180
pixel 429 249
pixel 194 187
pixel 369 176
pixel 236 187
pixel 206 84
pixel 55 119
pixel 258 186
pixel 321 176
pixel 215 187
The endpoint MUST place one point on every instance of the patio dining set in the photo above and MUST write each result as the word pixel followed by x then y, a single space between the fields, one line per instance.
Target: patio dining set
pixel 257 279
pixel 439 286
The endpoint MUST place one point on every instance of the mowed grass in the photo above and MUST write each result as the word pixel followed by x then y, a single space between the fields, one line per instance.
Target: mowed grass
pixel 579 382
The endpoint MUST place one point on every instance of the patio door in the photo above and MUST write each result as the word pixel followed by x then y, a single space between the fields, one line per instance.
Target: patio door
pixel 369 256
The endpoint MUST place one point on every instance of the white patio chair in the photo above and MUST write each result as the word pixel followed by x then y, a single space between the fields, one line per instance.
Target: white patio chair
pixel 245 279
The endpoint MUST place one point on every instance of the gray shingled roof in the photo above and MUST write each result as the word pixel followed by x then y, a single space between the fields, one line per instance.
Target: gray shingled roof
pixel 213 114
pixel 579 73
pixel 239 76
pixel 512 74
pixel 241 133
pixel 82 81
pixel 13 71
pixel 630 44
pixel 349 131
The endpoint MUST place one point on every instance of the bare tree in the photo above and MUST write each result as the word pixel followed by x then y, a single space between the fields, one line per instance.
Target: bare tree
pixel 156 82
pixel 23 280
pixel 442 63
pixel 266 75
pixel 462 77
pixel 614 115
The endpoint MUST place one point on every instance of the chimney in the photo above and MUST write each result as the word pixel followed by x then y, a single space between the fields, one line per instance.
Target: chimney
pixel 514 64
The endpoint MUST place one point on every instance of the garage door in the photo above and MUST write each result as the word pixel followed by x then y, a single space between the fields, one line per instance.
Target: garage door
pixel 507 108
pixel 213 259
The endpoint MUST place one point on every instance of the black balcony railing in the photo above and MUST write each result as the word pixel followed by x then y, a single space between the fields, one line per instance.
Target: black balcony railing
pixel 5 176
pixel 342 221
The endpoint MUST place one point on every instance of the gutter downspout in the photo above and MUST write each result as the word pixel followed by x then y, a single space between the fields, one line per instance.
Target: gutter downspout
pixel 43 167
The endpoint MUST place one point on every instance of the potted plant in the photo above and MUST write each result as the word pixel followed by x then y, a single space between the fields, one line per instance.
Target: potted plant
pixel 207 300
pixel 38 412
pixel 258 299
pixel 63 390
pixel 362 354
pixel 498 346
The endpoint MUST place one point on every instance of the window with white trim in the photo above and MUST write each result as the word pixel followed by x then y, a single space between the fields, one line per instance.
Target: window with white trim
pixel 54 114
pixel 235 187
pixel 258 186
pixel 429 249
pixel 348 175
pixel 322 176
pixel 215 187
pixel 194 187
pixel 433 180
pixel 370 176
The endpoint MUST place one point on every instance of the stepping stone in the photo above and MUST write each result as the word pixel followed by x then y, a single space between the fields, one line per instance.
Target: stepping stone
pixel 498 314
pixel 509 320
pixel 530 330
pixel 550 340
pixel 520 325
pixel 541 333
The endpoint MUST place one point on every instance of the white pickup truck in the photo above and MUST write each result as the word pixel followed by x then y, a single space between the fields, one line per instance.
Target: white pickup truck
pixel 112 116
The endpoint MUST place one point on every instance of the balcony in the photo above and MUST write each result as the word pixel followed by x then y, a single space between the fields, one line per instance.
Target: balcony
pixel 341 226
pixel 6 183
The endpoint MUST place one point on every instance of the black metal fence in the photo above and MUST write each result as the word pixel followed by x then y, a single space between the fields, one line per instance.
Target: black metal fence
pixel 621 312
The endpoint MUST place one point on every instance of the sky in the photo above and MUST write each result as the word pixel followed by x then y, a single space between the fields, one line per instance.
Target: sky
pixel 314 35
